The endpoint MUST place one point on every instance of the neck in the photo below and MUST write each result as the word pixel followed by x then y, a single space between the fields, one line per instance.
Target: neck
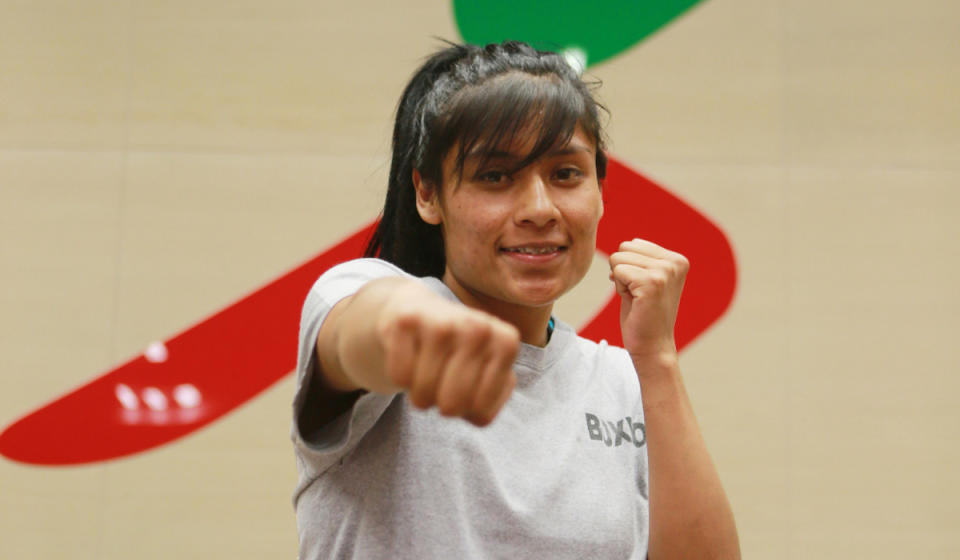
pixel 530 321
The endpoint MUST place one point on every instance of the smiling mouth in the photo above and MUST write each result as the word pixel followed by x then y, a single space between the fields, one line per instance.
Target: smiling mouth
pixel 545 250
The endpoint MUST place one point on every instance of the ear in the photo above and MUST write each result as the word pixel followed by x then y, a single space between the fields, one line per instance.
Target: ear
pixel 428 205
pixel 602 199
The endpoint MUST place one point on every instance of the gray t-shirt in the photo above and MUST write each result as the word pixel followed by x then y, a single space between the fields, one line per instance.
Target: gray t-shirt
pixel 560 473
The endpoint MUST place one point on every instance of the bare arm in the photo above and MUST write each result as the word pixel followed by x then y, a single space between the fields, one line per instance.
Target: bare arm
pixel 395 334
pixel 690 516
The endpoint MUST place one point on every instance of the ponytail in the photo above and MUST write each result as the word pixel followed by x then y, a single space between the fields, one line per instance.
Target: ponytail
pixel 401 236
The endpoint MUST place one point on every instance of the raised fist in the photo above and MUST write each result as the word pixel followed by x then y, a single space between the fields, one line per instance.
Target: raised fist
pixel 449 356
pixel 650 281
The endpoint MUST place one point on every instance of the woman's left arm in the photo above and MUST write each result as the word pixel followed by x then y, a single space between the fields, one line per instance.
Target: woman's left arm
pixel 690 516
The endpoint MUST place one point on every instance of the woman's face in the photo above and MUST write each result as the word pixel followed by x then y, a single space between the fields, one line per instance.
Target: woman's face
pixel 519 238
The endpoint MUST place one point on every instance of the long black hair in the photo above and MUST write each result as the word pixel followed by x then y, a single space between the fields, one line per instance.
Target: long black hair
pixel 477 98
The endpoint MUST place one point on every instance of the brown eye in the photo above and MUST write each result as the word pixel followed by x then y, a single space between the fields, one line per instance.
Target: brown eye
pixel 492 177
pixel 568 173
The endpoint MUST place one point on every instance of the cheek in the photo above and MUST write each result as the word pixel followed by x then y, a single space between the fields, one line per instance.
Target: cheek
pixel 585 214
pixel 469 232
pixel 477 220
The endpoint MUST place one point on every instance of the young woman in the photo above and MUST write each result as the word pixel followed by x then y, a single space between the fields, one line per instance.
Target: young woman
pixel 441 411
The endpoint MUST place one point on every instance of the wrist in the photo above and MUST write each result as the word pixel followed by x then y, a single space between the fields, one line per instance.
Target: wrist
pixel 656 362
pixel 661 384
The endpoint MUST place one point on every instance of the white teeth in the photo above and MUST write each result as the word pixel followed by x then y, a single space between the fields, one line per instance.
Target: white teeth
pixel 533 250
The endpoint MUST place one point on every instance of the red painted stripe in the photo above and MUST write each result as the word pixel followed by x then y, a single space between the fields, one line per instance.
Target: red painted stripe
pixel 229 357
pixel 233 355
pixel 635 206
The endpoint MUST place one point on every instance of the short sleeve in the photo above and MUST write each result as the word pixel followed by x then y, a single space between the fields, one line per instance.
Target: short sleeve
pixel 318 450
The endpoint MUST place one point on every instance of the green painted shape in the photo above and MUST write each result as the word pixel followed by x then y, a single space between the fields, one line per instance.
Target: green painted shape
pixel 602 29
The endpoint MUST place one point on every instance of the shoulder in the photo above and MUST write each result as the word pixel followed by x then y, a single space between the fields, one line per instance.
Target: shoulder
pixel 346 278
pixel 362 269
pixel 600 354
pixel 613 363
pixel 617 357
pixel 601 350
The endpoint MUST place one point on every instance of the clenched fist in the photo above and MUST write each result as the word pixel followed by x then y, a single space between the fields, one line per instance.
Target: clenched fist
pixel 649 280
pixel 449 356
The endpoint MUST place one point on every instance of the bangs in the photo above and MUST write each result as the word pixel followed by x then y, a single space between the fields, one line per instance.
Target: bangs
pixel 494 116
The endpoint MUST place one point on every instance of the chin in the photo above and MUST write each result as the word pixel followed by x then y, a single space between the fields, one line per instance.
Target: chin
pixel 539 296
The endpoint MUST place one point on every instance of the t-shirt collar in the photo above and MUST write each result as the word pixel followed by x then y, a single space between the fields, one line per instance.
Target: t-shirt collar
pixel 530 357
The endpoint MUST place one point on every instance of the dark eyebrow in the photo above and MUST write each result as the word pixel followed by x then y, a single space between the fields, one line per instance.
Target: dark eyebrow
pixel 568 150
pixel 499 154
pixel 493 154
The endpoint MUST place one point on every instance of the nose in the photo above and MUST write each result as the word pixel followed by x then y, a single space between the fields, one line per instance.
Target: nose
pixel 536 205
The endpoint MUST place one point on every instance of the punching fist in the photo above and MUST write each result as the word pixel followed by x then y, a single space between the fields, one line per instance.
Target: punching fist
pixel 649 280
pixel 449 356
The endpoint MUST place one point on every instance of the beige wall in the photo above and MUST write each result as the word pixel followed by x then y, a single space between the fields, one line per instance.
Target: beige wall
pixel 160 159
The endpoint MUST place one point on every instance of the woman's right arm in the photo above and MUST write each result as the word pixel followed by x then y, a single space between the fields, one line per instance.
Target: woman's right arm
pixel 395 334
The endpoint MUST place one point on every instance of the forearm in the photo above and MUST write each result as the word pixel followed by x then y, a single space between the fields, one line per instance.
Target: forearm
pixel 350 344
pixel 351 353
pixel 396 334
pixel 690 516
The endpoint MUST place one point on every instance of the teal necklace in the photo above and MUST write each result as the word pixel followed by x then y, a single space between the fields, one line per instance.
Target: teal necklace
pixel 550 325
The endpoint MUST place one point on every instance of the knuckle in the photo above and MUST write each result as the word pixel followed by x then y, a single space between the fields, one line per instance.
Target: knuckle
pixel 423 391
pixel 443 331
pixel 419 400
pixel 483 330
pixel 406 319
pixel 449 407
pixel 403 326
pixel 679 263
pixel 511 333
pixel 511 353
pixel 400 376
pixel 428 400
pixel 659 278
pixel 482 417
pixel 624 273
pixel 507 346
pixel 475 330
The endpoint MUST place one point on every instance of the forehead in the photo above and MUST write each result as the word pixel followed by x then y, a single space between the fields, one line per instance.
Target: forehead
pixel 520 149
pixel 519 152
pixel 514 113
pixel 522 145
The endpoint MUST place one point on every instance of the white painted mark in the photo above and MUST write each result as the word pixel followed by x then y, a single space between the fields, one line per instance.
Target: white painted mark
pixel 186 395
pixel 154 398
pixel 156 352
pixel 128 399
